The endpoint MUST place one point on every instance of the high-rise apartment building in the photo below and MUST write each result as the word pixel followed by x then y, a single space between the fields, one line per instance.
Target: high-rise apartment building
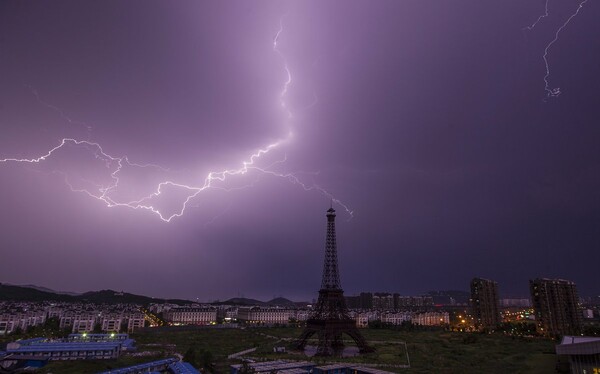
pixel 484 303
pixel 556 306
pixel 383 301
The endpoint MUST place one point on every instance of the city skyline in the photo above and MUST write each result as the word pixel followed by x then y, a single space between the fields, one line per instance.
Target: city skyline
pixel 435 128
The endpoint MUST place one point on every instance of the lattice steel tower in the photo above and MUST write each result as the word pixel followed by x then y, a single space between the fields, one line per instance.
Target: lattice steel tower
pixel 330 318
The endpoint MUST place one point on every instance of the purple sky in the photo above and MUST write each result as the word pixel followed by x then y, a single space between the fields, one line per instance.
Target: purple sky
pixel 428 119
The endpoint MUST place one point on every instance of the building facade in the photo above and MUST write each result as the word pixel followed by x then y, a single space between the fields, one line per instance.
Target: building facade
pixel 556 306
pixel 40 348
pixel 431 318
pixel 484 303
pixel 191 316
pixel 396 318
pixel 383 301
pixel 269 316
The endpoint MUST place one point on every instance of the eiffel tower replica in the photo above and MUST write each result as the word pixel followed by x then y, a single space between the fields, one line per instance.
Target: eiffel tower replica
pixel 330 319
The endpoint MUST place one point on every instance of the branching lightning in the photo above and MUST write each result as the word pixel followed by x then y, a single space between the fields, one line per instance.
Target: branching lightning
pixel 533 25
pixel 61 113
pixel 553 92
pixel 115 165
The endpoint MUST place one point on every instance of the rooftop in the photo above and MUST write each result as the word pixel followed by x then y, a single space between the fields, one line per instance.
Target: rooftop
pixel 61 347
pixel 276 365
pixel 144 367
pixel 578 345
pixel 578 339
pixel 182 368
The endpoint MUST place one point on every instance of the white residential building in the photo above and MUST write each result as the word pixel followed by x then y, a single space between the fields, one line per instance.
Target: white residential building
pixel 396 318
pixel 191 315
pixel 266 315
pixel 431 318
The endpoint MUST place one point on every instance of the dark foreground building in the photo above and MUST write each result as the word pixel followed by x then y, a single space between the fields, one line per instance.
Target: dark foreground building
pixel 583 353
pixel 330 319
pixel 484 303
pixel 556 306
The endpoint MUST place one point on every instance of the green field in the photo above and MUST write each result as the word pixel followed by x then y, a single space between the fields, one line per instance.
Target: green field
pixel 429 351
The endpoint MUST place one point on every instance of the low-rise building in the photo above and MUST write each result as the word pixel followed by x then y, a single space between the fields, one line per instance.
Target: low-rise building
pixel 191 316
pixel 362 320
pixel 112 323
pixel 396 318
pixel 83 323
pixel 302 315
pixel 402 302
pixel 42 349
pixel 23 320
pixel 135 321
pixel 383 301
pixel 431 318
pixel 507 303
pixel 266 315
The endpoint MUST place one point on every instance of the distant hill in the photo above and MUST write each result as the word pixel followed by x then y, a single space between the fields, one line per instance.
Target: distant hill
pixel 20 293
pixel 44 289
pixel 281 301
pixel 9 292
pixel 28 293
pixel 241 301
pixel 115 297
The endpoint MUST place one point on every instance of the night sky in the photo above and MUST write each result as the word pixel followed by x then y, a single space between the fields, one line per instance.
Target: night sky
pixel 429 120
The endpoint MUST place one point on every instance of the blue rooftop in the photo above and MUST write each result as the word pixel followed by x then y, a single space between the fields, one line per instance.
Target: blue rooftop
pixel 129 343
pixel 61 347
pixel 30 341
pixel 98 336
pixel 142 367
pixel 183 368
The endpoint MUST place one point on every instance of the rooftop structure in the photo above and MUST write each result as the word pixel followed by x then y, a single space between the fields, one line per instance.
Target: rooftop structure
pixel 583 353
pixel 275 366
pixel 66 350
pixel 182 368
pixel 97 337
pixel 304 367
pixel 159 365
pixel 43 349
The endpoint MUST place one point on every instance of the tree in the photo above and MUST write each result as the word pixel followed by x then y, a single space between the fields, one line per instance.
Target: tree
pixel 97 328
pixel 190 356
pixel 124 327
pixel 52 323
pixel 207 361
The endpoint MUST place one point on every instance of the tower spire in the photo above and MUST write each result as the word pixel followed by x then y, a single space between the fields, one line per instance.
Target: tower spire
pixel 331 275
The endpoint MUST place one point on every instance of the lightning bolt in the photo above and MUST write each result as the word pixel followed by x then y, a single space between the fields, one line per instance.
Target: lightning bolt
pixel 553 92
pixel 533 25
pixel 288 81
pixel 116 164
